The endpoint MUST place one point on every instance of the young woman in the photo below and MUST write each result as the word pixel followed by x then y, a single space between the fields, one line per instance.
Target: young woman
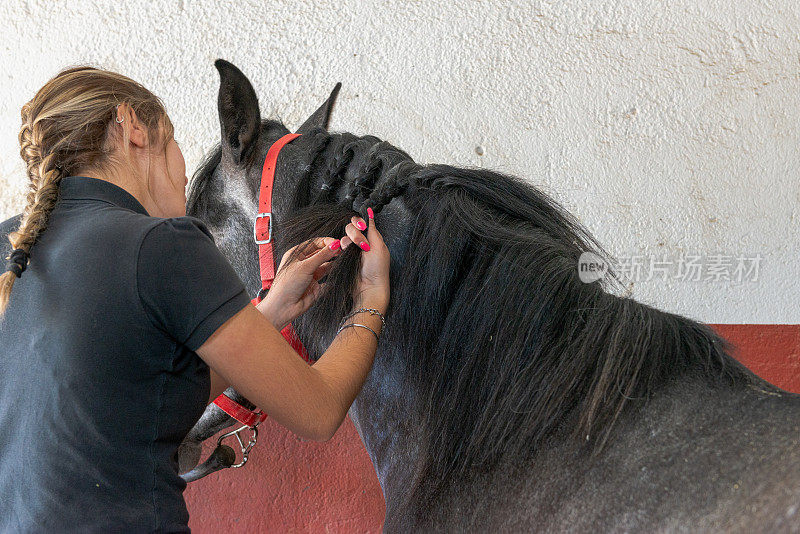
pixel 122 319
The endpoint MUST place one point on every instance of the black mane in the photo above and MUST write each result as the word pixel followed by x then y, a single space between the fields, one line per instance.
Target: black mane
pixel 502 340
pixel 197 201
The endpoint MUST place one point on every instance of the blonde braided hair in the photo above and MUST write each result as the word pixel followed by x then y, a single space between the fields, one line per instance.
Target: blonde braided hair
pixel 67 129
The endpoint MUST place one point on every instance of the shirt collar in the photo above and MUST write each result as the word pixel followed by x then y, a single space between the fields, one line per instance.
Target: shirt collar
pixel 84 187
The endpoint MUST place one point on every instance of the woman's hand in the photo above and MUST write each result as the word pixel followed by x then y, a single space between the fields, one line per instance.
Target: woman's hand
pixel 295 287
pixel 372 287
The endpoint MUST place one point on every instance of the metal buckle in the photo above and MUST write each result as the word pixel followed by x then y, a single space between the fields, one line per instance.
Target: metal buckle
pixel 255 228
pixel 245 448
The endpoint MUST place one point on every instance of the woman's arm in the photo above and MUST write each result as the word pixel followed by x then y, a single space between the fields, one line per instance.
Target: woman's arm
pixel 218 385
pixel 312 401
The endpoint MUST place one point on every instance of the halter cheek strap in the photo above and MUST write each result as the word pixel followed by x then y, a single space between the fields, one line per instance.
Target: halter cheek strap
pixel 263 236
pixel 262 226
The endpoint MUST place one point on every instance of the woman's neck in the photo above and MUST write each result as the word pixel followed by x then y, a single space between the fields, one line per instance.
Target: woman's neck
pixel 127 181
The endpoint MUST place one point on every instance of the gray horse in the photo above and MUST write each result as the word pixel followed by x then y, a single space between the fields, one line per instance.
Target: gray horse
pixel 506 395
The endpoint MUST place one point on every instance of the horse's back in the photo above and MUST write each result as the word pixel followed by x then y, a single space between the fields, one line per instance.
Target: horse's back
pixel 715 461
pixel 719 460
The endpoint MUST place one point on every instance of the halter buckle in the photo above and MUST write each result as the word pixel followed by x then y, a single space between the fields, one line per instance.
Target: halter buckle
pixel 245 448
pixel 255 228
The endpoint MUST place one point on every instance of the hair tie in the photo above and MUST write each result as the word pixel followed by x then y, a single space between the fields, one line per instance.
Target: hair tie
pixel 18 261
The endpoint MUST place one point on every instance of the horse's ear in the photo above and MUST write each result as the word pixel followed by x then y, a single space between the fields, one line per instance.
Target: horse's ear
pixel 321 117
pixel 239 115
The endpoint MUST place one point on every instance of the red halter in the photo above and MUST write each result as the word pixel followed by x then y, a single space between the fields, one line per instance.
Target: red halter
pixel 262 233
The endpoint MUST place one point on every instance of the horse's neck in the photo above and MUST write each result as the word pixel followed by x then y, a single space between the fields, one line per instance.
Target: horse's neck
pixel 383 416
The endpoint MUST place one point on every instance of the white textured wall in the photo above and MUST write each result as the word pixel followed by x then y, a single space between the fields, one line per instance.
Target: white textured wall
pixel 668 127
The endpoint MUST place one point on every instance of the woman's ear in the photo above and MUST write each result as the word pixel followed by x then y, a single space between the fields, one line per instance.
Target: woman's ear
pixel 137 132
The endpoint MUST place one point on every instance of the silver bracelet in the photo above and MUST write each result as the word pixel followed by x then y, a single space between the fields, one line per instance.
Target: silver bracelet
pixel 372 311
pixel 361 325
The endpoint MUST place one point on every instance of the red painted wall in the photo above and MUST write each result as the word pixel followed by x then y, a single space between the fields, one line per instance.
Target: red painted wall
pixel 291 485
pixel 770 351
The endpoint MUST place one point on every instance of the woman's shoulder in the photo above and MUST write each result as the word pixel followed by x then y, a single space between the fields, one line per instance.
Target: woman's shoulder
pixel 174 244
pixel 176 231
pixel 185 223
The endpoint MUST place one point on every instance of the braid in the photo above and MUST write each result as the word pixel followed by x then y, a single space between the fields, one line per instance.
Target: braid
pixel 320 140
pixel 379 171
pixel 396 182
pixel 337 166
pixel 368 174
pixel 44 178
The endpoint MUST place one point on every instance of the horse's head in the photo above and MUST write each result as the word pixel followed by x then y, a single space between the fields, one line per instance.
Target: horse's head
pixel 320 182
pixel 224 190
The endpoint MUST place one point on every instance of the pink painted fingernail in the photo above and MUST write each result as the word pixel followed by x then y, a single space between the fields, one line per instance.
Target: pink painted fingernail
pixel 360 225
pixel 370 213
pixel 335 244
pixel 364 245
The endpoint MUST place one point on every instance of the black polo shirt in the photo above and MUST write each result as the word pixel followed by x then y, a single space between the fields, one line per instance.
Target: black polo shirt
pixel 99 381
